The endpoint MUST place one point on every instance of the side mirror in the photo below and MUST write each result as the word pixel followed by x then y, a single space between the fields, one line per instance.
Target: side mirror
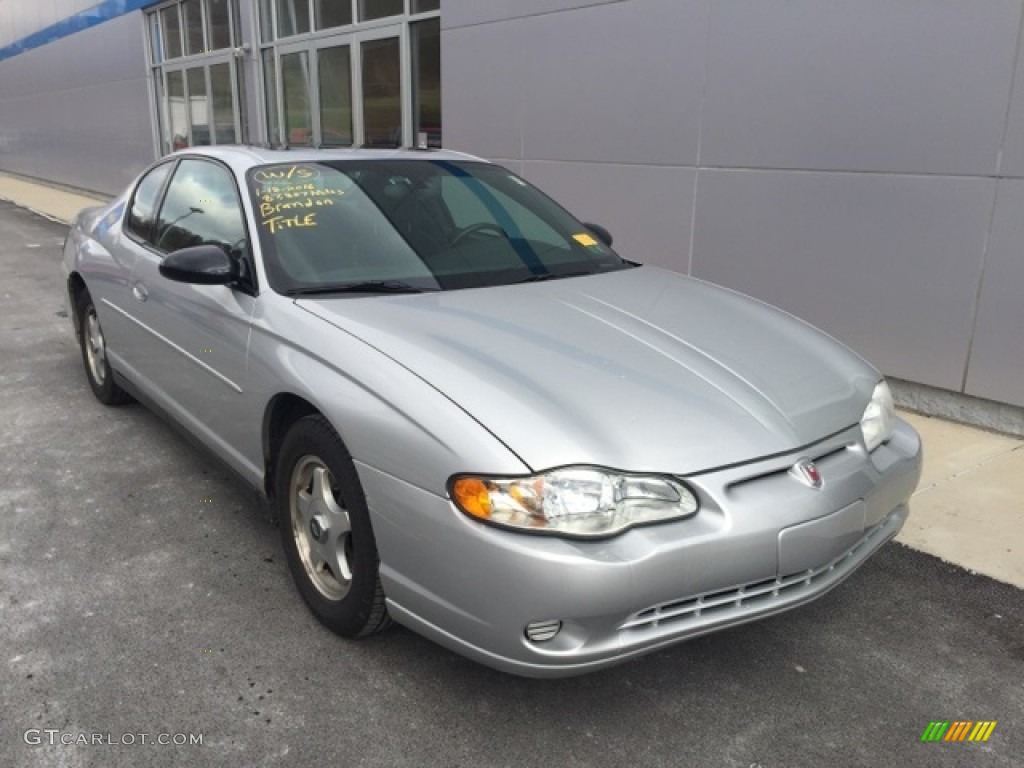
pixel 201 264
pixel 602 234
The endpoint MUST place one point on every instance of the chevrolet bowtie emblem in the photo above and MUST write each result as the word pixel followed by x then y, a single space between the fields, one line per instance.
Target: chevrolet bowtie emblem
pixel 806 471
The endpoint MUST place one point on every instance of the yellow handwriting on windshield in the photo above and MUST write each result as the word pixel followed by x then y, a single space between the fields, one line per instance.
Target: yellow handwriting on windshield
pixel 292 173
pixel 288 194
pixel 270 206
pixel 277 223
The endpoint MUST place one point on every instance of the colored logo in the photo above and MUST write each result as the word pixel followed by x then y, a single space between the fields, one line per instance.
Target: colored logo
pixel 958 730
pixel 806 471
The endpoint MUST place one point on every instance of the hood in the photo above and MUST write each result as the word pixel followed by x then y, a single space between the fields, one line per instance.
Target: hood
pixel 641 369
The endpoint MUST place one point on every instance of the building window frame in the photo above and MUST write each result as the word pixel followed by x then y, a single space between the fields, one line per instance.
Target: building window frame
pixel 271 47
pixel 160 67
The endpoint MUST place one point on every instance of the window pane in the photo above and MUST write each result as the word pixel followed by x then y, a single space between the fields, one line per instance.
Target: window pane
pixel 198 106
pixel 218 24
pixel 292 17
pixel 333 13
pixel 201 206
pixel 172 32
pixel 270 97
pixel 426 78
pixel 140 217
pixel 155 39
pixel 378 9
pixel 193 27
pixel 422 6
pixel 266 21
pixel 335 97
pixel 223 110
pixel 298 126
pixel 382 93
pixel 176 106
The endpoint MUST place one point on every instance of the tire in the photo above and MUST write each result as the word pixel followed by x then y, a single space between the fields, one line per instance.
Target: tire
pixel 94 354
pixel 326 531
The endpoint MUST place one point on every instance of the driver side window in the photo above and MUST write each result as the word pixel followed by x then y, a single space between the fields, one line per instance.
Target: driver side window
pixel 201 206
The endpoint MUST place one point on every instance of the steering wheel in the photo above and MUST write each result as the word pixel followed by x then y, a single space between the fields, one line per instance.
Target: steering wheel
pixel 481 226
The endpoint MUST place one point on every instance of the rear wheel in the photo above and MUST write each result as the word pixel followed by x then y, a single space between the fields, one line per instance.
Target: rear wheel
pixel 326 531
pixel 94 354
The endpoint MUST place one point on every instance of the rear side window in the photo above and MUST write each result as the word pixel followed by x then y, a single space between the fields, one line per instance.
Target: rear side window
pixel 201 206
pixel 147 194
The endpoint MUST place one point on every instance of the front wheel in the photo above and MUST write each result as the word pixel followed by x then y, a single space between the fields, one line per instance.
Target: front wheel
pixel 326 531
pixel 94 354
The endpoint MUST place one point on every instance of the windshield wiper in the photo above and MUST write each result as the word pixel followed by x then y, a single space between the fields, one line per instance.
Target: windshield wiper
pixel 368 286
pixel 550 276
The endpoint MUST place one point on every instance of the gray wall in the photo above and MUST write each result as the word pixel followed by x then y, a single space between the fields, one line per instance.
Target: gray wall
pixel 860 164
pixel 76 110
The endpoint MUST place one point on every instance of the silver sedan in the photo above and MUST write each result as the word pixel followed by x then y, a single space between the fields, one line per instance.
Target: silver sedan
pixel 473 416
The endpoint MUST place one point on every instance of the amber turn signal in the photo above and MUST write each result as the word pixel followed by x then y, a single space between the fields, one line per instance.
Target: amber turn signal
pixel 473 496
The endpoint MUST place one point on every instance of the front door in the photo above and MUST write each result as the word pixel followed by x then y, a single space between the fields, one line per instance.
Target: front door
pixel 196 359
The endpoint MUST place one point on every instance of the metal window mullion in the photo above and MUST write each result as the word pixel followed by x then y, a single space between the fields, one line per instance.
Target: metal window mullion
pixel 181 30
pixel 167 111
pixel 153 71
pixel 405 82
pixel 356 66
pixel 188 105
pixel 314 95
pixel 264 121
pixel 236 100
pixel 211 118
pixel 207 35
pixel 279 93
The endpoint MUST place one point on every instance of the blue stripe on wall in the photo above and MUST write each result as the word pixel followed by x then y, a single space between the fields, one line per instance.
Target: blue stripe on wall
pixel 90 17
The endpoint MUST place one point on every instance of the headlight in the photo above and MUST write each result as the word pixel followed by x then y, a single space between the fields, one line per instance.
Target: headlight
pixel 576 501
pixel 879 417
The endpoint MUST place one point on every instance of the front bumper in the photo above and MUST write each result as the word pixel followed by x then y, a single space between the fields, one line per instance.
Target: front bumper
pixel 762 543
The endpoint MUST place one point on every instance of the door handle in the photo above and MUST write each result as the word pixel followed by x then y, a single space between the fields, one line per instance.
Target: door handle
pixel 140 291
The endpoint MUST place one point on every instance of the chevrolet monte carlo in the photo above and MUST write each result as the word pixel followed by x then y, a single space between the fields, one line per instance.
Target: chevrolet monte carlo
pixel 476 419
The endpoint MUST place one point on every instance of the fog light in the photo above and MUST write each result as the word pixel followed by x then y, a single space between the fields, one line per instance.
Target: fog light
pixel 542 631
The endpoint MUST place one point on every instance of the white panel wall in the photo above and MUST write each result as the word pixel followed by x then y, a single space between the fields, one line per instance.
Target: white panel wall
pixel 77 110
pixel 894 86
pixel 839 159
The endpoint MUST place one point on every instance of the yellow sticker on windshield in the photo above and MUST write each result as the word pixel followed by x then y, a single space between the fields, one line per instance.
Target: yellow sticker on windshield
pixel 585 240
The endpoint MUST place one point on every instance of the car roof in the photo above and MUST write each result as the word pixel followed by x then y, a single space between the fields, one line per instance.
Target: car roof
pixel 244 157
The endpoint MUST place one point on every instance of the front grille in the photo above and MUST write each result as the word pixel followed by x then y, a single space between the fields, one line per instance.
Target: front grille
pixel 750 596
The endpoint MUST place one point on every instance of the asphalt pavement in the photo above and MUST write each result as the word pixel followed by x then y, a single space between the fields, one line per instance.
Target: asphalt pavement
pixel 144 597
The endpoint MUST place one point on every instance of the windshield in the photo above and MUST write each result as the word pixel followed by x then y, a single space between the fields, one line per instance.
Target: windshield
pixel 395 226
